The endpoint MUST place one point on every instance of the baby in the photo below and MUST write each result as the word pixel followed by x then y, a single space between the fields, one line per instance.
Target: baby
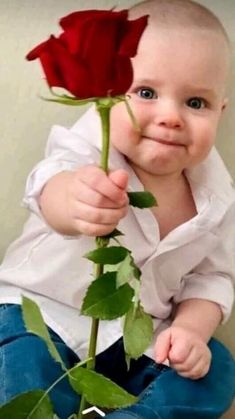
pixel 184 247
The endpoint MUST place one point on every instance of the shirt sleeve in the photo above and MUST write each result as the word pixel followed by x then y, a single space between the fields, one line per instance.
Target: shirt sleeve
pixel 214 278
pixel 67 149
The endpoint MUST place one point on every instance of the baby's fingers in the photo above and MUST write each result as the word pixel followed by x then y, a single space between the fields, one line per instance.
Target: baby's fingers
pixel 83 193
pixel 120 178
pixel 199 370
pixel 196 365
pixel 162 346
pixel 92 229
pixel 97 180
pixel 95 215
pixel 179 351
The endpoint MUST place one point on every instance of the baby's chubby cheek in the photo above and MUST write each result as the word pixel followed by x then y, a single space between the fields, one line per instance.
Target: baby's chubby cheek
pixel 118 115
pixel 121 126
pixel 198 150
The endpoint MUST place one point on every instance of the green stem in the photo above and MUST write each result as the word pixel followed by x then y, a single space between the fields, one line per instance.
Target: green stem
pixel 94 329
pixel 104 112
pixel 81 407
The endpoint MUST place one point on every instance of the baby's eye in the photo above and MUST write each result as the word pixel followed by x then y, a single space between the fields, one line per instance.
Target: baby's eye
pixel 196 103
pixel 147 93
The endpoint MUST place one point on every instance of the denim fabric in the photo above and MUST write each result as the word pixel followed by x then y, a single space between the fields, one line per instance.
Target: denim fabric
pixel 25 364
pixel 170 396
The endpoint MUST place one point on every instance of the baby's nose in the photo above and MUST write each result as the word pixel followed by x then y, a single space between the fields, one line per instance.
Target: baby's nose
pixel 170 116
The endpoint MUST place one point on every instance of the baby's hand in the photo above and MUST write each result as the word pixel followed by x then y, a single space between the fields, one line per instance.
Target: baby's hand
pixel 187 353
pixel 97 201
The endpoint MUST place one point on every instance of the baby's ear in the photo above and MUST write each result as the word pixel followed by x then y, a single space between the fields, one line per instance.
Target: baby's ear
pixel 224 104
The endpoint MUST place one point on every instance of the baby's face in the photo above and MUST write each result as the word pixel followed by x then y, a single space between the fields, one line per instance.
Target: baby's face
pixel 177 97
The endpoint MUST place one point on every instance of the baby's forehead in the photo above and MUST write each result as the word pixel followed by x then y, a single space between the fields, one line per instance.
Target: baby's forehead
pixel 186 57
pixel 185 26
pixel 188 43
pixel 179 14
pixel 187 33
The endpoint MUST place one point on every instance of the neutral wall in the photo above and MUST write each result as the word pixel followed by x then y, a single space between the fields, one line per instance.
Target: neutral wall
pixel 25 120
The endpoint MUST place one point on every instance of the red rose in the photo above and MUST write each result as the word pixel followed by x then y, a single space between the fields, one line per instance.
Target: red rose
pixel 91 58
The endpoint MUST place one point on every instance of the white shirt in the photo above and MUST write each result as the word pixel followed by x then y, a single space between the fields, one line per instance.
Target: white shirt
pixel 195 260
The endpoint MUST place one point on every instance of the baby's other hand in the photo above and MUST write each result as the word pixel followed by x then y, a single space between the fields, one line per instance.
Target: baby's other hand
pixel 187 353
pixel 97 201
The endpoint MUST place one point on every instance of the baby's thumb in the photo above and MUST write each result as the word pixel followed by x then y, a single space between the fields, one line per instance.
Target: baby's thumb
pixel 120 178
pixel 162 346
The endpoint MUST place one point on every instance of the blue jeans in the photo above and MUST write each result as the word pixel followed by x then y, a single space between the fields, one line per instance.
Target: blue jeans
pixel 25 364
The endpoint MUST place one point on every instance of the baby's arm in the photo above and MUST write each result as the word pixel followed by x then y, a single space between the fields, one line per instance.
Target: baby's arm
pixel 85 201
pixel 184 343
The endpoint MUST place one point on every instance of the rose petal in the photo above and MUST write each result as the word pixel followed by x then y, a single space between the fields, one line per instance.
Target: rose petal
pixel 123 76
pixel 76 77
pixel 132 35
pixel 37 51
pixel 92 57
pixel 81 16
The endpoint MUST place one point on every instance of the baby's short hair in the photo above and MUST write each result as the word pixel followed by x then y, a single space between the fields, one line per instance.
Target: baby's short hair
pixel 180 14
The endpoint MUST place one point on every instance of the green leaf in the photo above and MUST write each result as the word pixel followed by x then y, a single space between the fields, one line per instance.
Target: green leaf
pixel 99 390
pixel 107 255
pixel 127 270
pixel 21 406
pixel 138 331
pixel 34 323
pixel 142 199
pixel 104 300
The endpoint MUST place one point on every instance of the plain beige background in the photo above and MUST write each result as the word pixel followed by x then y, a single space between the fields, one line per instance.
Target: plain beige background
pixel 26 120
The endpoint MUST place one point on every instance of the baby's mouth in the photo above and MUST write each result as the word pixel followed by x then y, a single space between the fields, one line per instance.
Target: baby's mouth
pixel 171 143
